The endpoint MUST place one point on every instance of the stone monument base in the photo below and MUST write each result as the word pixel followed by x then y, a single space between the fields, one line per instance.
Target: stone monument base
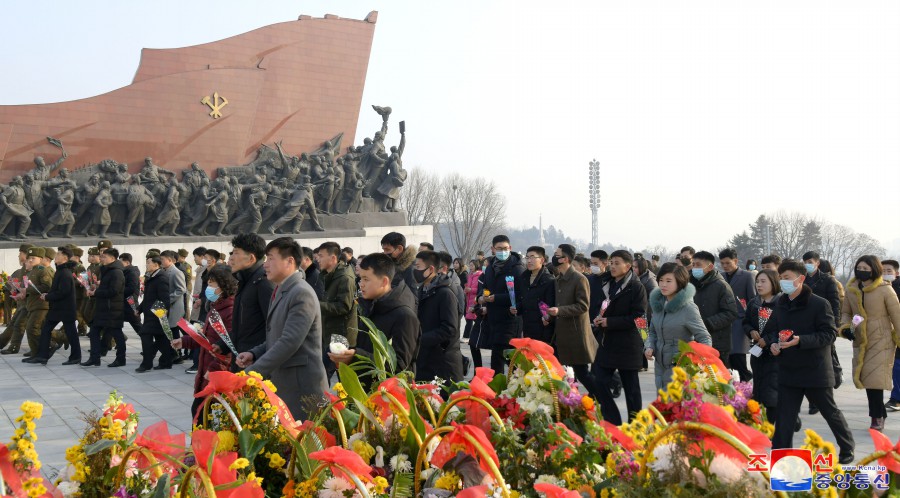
pixel 363 240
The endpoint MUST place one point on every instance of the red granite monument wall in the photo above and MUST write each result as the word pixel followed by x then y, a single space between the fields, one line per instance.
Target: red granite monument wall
pixel 300 82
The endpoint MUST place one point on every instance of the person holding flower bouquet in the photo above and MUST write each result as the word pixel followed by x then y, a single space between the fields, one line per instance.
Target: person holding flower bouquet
pixel 153 337
pixel 870 317
pixel 536 288
pixel 763 364
pixel 109 313
pixel 220 291
pixel 676 318
pixel 801 332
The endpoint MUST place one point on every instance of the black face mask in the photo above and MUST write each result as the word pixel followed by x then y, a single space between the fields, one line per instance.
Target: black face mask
pixel 419 275
pixel 862 275
pixel 555 260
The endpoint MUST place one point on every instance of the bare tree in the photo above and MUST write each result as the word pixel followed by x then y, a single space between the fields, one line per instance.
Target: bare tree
pixel 660 250
pixel 474 211
pixel 793 235
pixel 422 198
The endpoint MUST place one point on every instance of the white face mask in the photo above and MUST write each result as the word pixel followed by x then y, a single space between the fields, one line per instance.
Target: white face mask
pixel 889 278
pixel 596 270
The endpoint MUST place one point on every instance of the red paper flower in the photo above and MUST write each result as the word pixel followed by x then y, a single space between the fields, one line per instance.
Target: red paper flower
pixel 223 382
pixel 563 432
pixel 765 313
pixel 349 460
pixel 476 413
pixel 716 416
pixel 785 335
pixel 473 492
pixel 532 348
pixel 340 405
pixel 456 442
pixel 204 445
pixel 120 411
pixel 640 322
pixel 883 443
pixel 393 387
pixel 702 354
pixel 553 491
pixel 328 440
pixel 617 436
pixel 164 446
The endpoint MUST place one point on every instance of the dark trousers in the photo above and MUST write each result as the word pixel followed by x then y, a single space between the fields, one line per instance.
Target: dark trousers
pixel 71 334
pixel 876 403
pixel 134 321
pixel 739 362
pixel 598 391
pixel 631 386
pixel 498 360
pixel 789 400
pixel 153 343
pixel 115 333
pixel 895 393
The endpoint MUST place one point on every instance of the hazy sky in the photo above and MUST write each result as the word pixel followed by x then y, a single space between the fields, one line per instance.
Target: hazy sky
pixel 703 114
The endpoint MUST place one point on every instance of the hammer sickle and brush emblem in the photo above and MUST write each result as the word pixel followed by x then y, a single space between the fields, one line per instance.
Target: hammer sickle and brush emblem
pixel 216 103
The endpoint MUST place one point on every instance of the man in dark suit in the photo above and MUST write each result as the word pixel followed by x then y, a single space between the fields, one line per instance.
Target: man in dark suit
pixel 743 286
pixel 292 354
pixel 132 289
pixel 804 358
pixel 825 286
pixel 109 314
pixel 311 269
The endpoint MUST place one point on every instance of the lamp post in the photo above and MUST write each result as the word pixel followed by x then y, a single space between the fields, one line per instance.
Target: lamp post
pixel 594 187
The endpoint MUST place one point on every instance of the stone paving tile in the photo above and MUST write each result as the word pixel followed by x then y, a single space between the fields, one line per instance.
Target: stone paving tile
pixel 167 395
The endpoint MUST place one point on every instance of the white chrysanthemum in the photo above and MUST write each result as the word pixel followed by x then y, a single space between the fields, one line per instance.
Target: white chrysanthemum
pixel 662 458
pixel 726 469
pixel 427 473
pixel 353 438
pixel 549 479
pixel 69 489
pixel 400 462
pixel 335 487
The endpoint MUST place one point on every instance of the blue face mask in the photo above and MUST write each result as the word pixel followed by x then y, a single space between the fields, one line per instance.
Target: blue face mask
pixel 211 295
pixel 810 268
pixel 502 255
pixel 697 273
pixel 751 267
pixel 787 286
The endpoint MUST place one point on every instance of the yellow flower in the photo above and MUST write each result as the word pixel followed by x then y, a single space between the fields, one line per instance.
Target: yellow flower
pixel 159 312
pixel 32 410
pixel 308 488
pixel 226 441
pixel 276 461
pixel 587 403
pixel 381 485
pixel 571 478
pixel 449 481
pixel 363 449
pixel 251 381
pixel 339 390
pixel 252 477
pixel 238 464
pixel 268 383
pixel 256 375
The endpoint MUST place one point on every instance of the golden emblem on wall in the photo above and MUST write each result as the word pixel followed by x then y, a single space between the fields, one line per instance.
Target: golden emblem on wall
pixel 216 103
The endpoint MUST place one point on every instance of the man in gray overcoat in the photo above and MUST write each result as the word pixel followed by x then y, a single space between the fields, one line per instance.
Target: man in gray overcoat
pixel 292 354
pixel 177 287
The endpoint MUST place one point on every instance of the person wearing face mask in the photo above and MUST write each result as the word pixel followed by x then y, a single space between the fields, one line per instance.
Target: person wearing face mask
pixel 752 267
pixel 153 339
pixel 825 286
pixel 502 324
pixel 744 288
pixel 438 312
pixel 876 337
pixel 891 271
pixel 535 287
pixel 716 302
pixel 803 351
pixel 220 292
pixel 199 255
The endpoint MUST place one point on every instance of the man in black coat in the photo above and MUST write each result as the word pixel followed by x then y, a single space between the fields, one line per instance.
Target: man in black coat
pixel 804 359
pixel 439 353
pixel 394 245
pixel 621 344
pixel 392 311
pixel 132 289
pixel 826 287
pixel 153 339
pixel 254 294
pixel 891 272
pixel 715 299
pixel 311 269
pixel 109 315
pixel 504 326
pixel 61 297
pixel 537 285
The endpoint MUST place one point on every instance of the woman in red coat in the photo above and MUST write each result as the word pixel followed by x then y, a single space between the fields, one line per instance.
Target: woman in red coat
pixel 220 294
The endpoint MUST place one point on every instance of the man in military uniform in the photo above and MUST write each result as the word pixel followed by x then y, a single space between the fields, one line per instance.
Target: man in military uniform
pixel 185 268
pixel 11 338
pixel 39 278
pixel 77 253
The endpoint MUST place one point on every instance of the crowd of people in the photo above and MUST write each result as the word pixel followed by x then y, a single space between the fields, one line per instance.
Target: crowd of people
pixel 277 308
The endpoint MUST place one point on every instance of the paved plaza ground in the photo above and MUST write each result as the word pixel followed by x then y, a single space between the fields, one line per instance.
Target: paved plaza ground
pixel 166 394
